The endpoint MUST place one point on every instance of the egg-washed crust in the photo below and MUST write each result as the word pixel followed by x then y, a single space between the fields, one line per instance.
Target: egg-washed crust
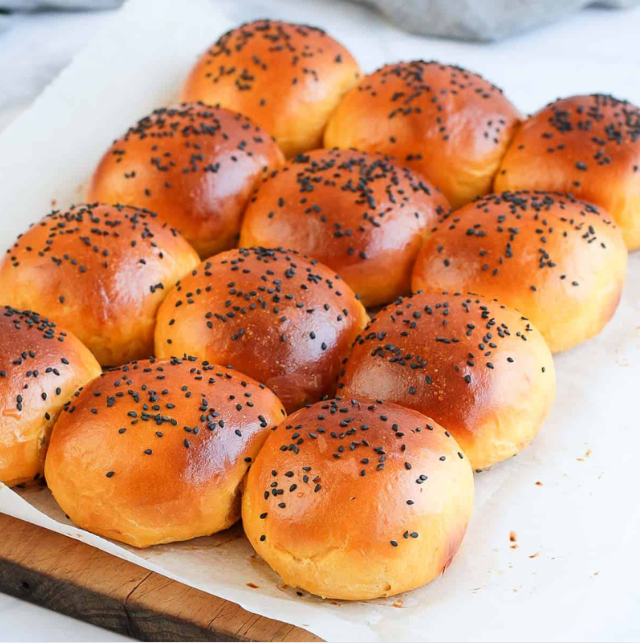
pixel 357 499
pixel 101 271
pixel 558 260
pixel 278 316
pixel 41 366
pixel 193 165
pixel 286 77
pixel 445 122
pixel 359 213
pixel 474 365
pixel 155 451
pixel 585 145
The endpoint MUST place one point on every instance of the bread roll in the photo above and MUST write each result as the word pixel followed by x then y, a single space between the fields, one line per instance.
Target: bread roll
pixel 286 77
pixel 559 261
pixel 447 123
pixel 360 214
pixel 101 271
pixel 478 368
pixel 41 366
pixel 193 165
pixel 280 317
pixel 155 451
pixel 356 500
pixel 586 145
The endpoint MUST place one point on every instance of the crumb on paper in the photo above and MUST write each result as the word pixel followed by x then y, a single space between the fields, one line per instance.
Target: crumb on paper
pixel 587 453
pixel 513 537
pixel 252 585
pixel 539 484
pixel 535 555
pixel 398 603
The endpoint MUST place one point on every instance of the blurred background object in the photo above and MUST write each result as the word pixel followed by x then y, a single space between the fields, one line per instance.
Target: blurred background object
pixel 31 5
pixel 589 50
pixel 483 20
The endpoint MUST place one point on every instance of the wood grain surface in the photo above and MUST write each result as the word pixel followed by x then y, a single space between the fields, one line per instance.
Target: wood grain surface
pixel 70 577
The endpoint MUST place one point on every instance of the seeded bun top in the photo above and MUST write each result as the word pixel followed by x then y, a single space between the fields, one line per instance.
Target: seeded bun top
pixel 474 365
pixel 193 165
pixel 585 145
pixel 41 366
pixel 101 271
pixel 280 317
pixel 356 500
pixel 445 122
pixel 361 214
pixel 286 77
pixel 558 260
pixel 155 451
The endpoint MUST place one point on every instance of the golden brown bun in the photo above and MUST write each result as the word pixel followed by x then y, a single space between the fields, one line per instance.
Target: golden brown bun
pixel 475 366
pixel 358 500
pixel 278 316
pixel 360 214
pixel 101 271
pixel 588 146
pixel 195 166
pixel 288 78
pixel 41 366
pixel 559 261
pixel 445 122
pixel 155 451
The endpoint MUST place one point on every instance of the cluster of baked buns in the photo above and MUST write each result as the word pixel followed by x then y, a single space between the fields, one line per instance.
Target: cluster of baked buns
pixel 223 240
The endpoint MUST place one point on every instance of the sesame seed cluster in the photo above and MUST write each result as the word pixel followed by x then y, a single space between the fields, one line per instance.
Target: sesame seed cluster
pixel 288 78
pixel 404 471
pixel 220 273
pixel 588 146
pixel 358 213
pixel 559 260
pixel 446 123
pixel 284 318
pixel 464 360
pixel 281 44
pixel 100 271
pixel 41 365
pixel 192 164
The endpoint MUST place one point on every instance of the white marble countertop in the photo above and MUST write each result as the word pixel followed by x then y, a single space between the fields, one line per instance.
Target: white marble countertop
pixel 595 50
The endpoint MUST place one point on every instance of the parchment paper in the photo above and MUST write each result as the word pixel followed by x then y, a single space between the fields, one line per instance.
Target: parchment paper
pixel 572 572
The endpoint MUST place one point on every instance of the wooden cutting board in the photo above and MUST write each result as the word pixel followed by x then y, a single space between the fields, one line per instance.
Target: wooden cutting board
pixel 70 577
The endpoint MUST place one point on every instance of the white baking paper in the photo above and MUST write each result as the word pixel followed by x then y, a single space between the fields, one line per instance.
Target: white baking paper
pixel 571 499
